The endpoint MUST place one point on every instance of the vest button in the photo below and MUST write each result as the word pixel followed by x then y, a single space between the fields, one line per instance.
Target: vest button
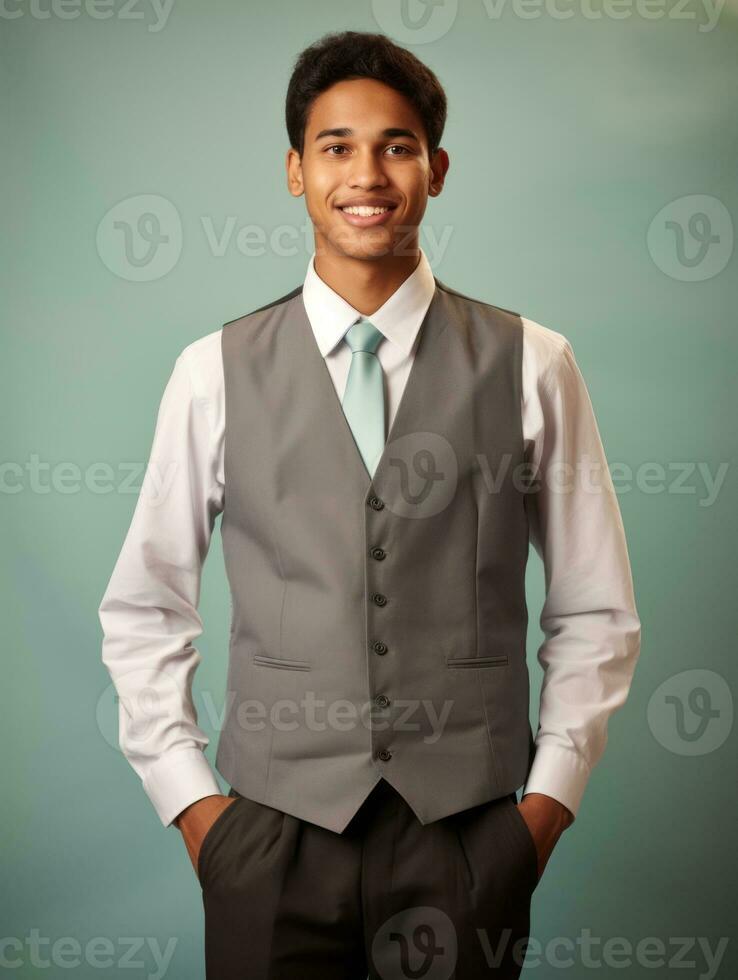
pixel 379 647
pixel 375 503
pixel 379 599
pixel 381 701
pixel 384 754
pixel 378 553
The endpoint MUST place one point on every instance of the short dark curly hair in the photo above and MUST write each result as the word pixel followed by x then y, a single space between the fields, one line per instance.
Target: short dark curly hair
pixel 360 54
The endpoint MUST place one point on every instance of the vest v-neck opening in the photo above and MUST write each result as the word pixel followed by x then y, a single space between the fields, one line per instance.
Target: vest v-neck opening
pixel 423 349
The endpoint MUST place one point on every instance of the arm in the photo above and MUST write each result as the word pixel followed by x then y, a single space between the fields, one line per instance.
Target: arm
pixel 589 617
pixel 149 610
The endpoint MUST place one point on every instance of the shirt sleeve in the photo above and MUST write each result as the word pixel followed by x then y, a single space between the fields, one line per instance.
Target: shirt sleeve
pixel 589 618
pixel 149 610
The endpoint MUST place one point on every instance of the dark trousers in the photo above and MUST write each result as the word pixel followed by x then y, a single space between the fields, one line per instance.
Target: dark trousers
pixel 388 898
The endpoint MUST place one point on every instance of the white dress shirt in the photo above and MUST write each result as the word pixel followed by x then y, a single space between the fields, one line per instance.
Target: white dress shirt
pixel 149 610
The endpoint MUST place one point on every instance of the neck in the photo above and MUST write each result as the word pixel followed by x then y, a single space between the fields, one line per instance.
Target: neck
pixel 368 283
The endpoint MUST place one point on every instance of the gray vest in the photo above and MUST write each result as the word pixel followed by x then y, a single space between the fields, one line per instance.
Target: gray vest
pixel 378 624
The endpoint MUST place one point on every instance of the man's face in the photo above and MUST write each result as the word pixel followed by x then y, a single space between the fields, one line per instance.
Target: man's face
pixel 364 142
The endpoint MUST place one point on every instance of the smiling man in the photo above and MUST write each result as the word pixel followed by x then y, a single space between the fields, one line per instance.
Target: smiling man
pixel 382 450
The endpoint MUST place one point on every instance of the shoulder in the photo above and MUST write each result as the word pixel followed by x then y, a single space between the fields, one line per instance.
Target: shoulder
pixel 203 358
pixel 262 313
pixel 203 361
pixel 544 351
pixel 456 297
pixel 543 348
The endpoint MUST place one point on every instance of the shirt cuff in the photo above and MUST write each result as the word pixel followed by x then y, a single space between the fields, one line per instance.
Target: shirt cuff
pixel 178 779
pixel 560 773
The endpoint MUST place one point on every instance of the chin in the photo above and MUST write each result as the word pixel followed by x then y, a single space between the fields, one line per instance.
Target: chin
pixel 365 244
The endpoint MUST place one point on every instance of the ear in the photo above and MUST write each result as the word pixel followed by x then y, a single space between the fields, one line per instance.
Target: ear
pixel 295 183
pixel 439 168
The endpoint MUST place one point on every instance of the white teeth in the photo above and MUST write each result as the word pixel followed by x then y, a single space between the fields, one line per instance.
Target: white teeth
pixel 365 212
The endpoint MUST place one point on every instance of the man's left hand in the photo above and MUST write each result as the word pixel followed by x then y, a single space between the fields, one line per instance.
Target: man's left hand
pixel 547 819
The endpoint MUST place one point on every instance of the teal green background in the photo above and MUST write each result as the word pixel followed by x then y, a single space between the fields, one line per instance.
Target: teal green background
pixel 566 137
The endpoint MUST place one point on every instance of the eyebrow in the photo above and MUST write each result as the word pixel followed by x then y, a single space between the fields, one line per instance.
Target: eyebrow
pixel 387 133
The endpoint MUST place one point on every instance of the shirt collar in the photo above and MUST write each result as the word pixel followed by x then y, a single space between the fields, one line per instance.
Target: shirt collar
pixel 399 318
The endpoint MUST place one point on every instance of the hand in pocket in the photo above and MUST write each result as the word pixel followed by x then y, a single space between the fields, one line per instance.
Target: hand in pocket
pixel 545 819
pixel 198 819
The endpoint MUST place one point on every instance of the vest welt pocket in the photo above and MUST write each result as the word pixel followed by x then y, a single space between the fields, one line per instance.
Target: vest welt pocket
pixel 476 661
pixel 281 662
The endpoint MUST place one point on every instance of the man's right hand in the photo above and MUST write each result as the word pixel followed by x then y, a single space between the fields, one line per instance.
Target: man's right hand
pixel 197 819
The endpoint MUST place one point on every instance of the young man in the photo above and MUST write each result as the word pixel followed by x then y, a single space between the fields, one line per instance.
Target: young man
pixel 382 450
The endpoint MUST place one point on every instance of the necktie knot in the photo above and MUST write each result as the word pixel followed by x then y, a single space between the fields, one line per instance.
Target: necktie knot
pixel 363 336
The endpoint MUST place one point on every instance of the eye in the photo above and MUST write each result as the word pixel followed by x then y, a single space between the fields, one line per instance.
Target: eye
pixel 406 151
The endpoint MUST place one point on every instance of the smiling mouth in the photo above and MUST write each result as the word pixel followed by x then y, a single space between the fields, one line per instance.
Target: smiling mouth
pixel 363 216
pixel 365 211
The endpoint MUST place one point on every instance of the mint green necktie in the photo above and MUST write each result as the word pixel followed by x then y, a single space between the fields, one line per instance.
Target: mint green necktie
pixel 363 399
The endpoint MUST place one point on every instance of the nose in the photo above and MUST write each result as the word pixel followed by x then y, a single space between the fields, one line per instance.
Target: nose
pixel 366 171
